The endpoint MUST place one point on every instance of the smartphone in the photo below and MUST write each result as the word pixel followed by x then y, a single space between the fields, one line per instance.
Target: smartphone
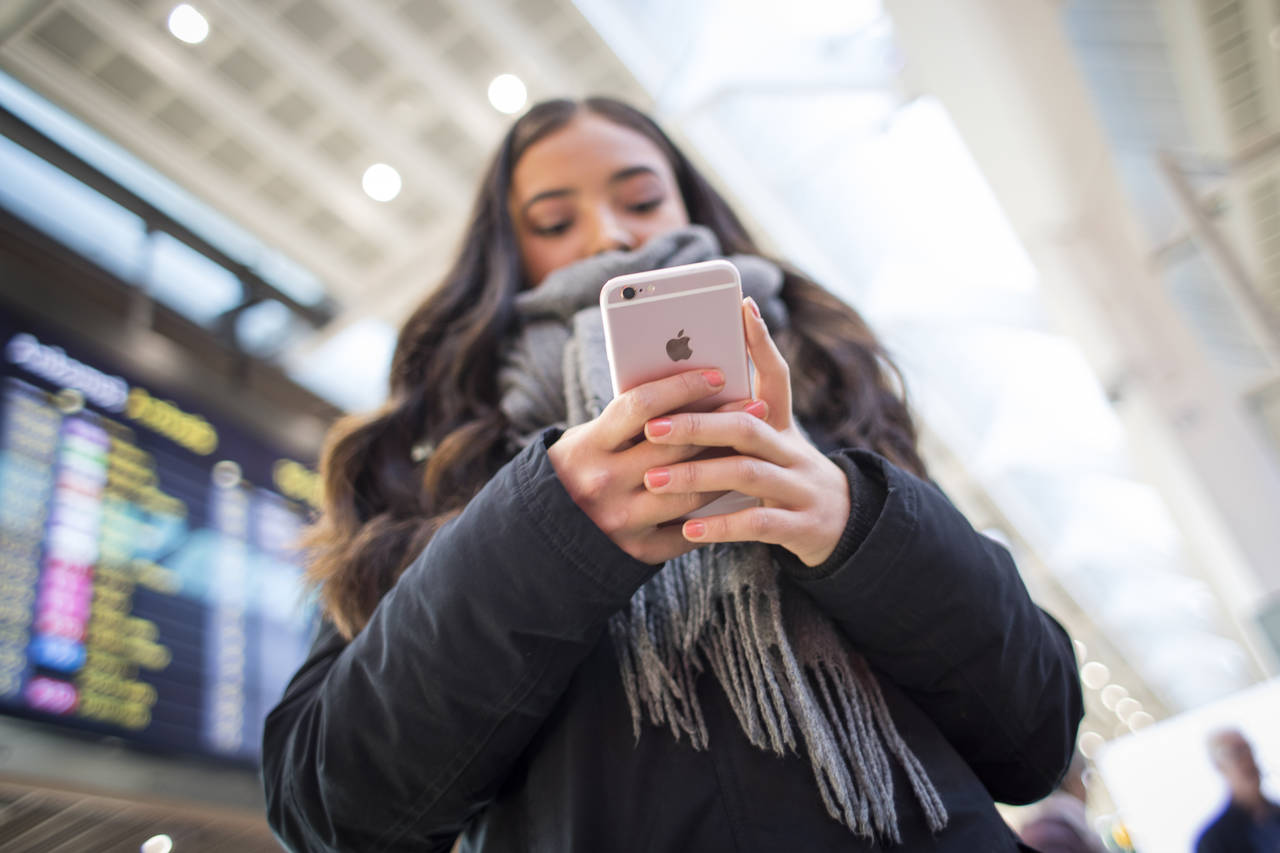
pixel 671 320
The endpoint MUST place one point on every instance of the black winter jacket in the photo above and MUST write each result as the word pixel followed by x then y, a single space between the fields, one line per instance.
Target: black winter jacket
pixel 483 699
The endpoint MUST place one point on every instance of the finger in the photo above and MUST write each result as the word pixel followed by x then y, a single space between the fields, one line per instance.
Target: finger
pixel 744 474
pixel 626 413
pixel 746 434
pixel 773 376
pixel 759 524
pixel 648 511
pixel 658 546
pixel 646 454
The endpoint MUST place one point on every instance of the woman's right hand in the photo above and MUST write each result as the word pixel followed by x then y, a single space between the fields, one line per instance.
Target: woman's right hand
pixel 602 464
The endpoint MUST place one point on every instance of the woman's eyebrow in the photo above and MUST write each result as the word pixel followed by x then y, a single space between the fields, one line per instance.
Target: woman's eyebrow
pixel 543 196
pixel 630 172
pixel 616 178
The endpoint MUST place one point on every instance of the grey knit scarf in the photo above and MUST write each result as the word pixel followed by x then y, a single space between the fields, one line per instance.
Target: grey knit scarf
pixel 780 660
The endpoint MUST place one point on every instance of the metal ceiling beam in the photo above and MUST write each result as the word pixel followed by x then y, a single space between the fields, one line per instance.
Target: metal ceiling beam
pixel 51 151
pixel 1255 312
pixel 18 18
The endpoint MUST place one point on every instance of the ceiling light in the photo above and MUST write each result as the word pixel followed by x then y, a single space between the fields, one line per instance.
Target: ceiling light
pixel 1140 720
pixel 381 182
pixel 188 25
pixel 157 844
pixel 507 94
pixel 1094 674
pixel 1089 744
pixel 1111 694
pixel 1126 708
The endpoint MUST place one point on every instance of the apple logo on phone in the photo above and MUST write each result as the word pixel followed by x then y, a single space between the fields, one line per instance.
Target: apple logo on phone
pixel 678 347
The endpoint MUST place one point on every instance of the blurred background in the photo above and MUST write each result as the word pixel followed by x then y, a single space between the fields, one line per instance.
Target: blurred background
pixel 1063 218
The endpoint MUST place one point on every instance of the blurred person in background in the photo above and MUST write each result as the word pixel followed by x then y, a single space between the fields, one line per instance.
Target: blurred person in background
pixel 1059 823
pixel 1250 823
pixel 523 648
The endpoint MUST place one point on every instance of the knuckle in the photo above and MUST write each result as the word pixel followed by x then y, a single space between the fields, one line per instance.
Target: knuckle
pixel 760 524
pixel 614 519
pixel 684 478
pixel 750 471
pixel 638 403
pixel 593 485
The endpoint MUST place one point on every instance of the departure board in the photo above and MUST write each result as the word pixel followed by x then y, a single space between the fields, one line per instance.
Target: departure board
pixel 150 584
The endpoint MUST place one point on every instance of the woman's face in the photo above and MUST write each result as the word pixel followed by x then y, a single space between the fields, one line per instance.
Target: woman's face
pixel 590 187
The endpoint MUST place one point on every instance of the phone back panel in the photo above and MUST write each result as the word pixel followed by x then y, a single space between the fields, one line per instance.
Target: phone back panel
pixel 681 318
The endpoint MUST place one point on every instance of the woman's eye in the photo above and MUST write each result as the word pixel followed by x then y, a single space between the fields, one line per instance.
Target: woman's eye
pixel 646 206
pixel 553 229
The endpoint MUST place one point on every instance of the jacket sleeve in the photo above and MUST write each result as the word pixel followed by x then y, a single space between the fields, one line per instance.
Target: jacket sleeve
pixel 940 610
pixel 393 741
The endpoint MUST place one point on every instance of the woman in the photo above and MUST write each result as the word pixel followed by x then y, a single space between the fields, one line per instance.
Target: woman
pixel 522 648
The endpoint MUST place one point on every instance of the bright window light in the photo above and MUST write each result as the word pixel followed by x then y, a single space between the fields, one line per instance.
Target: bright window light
pixel 381 182
pixel 508 94
pixel 349 369
pixel 188 25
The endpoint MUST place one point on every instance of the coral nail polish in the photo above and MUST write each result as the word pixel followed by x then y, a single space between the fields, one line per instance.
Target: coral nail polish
pixel 658 427
pixel 657 478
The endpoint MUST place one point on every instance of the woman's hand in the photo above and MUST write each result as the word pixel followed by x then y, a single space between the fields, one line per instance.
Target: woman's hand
pixel 602 464
pixel 805 494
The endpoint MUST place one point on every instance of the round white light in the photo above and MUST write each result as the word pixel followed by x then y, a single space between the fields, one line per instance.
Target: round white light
pixel 381 182
pixel 157 844
pixel 507 94
pixel 1089 744
pixel 1126 708
pixel 1111 694
pixel 1094 674
pixel 1140 720
pixel 188 25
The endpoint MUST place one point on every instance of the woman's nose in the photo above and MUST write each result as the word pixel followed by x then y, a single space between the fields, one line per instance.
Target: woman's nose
pixel 610 235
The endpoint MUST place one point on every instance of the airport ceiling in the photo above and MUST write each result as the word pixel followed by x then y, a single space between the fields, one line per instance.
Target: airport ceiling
pixel 276 115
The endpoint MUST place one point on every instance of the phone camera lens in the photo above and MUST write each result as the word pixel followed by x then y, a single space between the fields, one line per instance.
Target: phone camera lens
pixel 628 293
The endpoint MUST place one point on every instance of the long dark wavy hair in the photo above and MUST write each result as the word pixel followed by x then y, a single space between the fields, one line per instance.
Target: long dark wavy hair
pixel 382 506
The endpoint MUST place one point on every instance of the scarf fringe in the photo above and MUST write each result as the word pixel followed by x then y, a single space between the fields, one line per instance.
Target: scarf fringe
pixel 780 667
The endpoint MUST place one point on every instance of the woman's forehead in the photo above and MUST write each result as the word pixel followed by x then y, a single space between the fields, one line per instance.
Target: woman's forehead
pixel 588 148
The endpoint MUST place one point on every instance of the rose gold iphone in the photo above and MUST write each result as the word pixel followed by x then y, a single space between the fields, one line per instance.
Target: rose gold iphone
pixel 681 318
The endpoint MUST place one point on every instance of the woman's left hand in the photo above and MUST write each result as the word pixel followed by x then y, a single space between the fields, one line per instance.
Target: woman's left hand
pixel 805 495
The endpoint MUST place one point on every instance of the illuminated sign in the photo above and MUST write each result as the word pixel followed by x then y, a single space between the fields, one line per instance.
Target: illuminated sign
pixel 191 431
pixel 54 365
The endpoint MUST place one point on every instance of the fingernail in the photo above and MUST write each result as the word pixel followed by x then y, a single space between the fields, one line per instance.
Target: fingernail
pixel 755 309
pixel 757 408
pixel 657 427
pixel 694 530
pixel 657 478
pixel 714 377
